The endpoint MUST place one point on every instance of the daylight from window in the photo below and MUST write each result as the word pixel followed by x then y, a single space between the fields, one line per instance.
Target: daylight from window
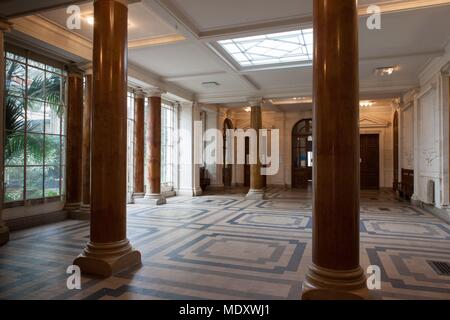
pixel 275 48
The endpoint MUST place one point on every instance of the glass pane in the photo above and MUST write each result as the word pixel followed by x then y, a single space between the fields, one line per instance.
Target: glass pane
pixel 15 78
pixel 36 87
pixel 35 149
pixel 14 148
pixel 35 116
pixel 16 57
pixel 53 69
pixel 53 88
pixel 52 180
pixel 14 183
pixel 35 179
pixel 14 113
pixel 53 119
pixel 270 48
pixel 52 150
pixel 36 64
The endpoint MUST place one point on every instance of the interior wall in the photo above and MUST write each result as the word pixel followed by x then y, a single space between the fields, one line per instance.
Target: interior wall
pixel 378 120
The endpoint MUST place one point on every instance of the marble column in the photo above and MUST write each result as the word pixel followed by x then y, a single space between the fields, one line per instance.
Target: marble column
pixel 4 27
pixel 335 272
pixel 87 125
pixel 189 150
pixel 256 191
pixel 109 251
pixel 139 122
pixel 74 140
pixel 153 194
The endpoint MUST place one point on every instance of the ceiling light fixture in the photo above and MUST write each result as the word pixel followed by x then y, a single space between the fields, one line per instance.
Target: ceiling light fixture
pixel 210 84
pixel 365 104
pixel 248 109
pixel 386 71
pixel 90 20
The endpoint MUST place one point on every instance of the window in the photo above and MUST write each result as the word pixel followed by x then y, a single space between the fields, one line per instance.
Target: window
pixel 34 162
pixel 168 118
pixel 130 146
pixel 276 48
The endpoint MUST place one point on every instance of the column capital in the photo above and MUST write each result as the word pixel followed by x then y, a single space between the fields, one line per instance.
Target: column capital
pixel 255 101
pixel 87 68
pixel 124 2
pixel 154 92
pixel 139 93
pixel 74 70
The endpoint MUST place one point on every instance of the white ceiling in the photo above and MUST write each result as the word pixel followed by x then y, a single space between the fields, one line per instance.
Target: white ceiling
pixel 408 38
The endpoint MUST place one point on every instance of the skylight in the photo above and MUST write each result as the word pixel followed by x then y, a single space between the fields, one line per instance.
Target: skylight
pixel 275 48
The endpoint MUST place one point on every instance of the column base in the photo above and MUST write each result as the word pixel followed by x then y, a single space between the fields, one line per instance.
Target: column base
pixel 255 194
pixel 151 199
pixel 107 259
pixel 72 206
pixel 4 234
pixel 415 200
pixel 138 195
pixel 84 212
pixel 326 284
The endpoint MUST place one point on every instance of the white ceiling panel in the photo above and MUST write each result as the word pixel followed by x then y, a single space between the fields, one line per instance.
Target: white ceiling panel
pixel 180 59
pixel 213 14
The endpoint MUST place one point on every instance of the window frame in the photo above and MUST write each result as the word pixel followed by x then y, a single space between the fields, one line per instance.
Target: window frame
pixel 31 60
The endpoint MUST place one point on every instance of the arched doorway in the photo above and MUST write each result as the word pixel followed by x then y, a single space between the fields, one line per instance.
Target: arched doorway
pixel 395 156
pixel 302 154
pixel 227 168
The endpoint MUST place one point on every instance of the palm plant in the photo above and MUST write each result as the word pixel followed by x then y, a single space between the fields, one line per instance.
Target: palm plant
pixel 39 88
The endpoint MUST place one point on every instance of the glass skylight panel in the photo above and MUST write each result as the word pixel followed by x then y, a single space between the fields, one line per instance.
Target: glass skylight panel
pixel 275 48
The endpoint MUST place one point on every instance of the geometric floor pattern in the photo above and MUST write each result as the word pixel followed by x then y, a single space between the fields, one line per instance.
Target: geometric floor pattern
pixel 226 247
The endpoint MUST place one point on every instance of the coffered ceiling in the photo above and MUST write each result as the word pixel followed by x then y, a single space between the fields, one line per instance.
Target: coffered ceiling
pixel 174 41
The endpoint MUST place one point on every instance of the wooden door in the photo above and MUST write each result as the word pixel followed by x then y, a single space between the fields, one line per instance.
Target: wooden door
pixel 370 161
pixel 247 163
pixel 302 145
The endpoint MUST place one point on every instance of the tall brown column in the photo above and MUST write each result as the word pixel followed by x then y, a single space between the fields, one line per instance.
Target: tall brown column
pixel 256 191
pixel 87 124
pixel 74 140
pixel 153 194
pixel 335 272
pixel 109 251
pixel 139 104
pixel 4 27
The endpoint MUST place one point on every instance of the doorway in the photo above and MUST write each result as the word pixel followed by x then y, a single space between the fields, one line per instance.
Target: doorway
pixel 302 154
pixel 370 161
pixel 227 168
pixel 395 183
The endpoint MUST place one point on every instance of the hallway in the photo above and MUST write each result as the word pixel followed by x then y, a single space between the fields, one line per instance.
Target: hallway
pixel 226 247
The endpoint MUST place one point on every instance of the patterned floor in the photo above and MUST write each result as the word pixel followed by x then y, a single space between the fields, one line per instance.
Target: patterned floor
pixel 225 247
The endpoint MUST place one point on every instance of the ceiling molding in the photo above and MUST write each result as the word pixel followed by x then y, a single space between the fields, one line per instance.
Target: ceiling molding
pixel 193 76
pixel 53 34
pixel 155 41
pixel 366 121
pixel 397 6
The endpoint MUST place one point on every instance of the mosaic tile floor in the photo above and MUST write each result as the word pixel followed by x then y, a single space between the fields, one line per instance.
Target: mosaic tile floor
pixel 225 247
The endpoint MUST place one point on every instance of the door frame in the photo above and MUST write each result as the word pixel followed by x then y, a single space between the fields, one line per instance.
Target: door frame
pixel 381 150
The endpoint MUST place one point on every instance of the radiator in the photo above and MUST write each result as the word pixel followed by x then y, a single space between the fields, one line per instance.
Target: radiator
pixel 430 192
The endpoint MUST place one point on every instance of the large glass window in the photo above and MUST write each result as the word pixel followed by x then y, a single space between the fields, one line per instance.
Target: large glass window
pixel 34 163
pixel 130 146
pixel 168 121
